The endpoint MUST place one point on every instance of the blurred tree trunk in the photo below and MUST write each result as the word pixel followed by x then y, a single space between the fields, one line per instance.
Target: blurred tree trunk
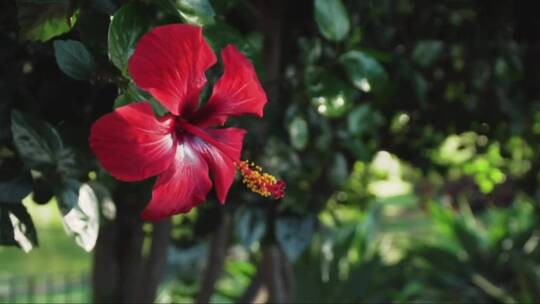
pixel 526 33
pixel 216 260
pixel 121 273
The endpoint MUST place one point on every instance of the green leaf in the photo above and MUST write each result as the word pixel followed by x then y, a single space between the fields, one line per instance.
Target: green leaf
pixel 250 225
pixel 16 188
pixel 365 72
pixel 7 236
pixel 107 207
pixel 37 142
pixel 198 12
pixel 426 52
pixel 67 194
pixel 79 205
pixel 15 181
pixel 132 94
pixel 74 59
pixel 128 24
pixel 220 34
pixel 43 189
pixel 339 171
pixel 332 19
pixel 331 96
pixel 17 228
pixel 294 234
pixel 299 133
pixel 363 119
pixel 43 20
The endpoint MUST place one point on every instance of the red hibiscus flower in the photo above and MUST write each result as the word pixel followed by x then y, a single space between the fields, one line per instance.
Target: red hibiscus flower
pixel 182 147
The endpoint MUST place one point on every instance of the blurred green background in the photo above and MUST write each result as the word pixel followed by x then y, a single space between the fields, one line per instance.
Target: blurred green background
pixel 407 132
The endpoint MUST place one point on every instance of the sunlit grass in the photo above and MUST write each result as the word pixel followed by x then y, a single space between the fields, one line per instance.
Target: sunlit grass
pixel 56 252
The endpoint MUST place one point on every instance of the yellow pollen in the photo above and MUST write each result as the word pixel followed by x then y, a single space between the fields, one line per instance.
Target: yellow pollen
pixel 260 182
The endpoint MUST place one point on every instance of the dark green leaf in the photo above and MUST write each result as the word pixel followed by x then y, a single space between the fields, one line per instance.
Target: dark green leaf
pixel 67 194
pixel 37 142
pixel 294 234
pixel 299 133
pixel 15 180
pixel 363 119
pixel 364 71
pixel 23 232
pixel 250 225
pixel 332 19
pixel 43 189
pixel 330 95
pixel 133 94
pixel 7 236
pixel 43 20
pixel 339 171
pixel 74 59
pixel 426 52
pixel 128 24
pixel 16 188
pixel 220 34
pixel 199 12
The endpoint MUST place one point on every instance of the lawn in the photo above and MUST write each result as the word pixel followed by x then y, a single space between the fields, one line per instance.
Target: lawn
pixel 57 252
pixel 56 271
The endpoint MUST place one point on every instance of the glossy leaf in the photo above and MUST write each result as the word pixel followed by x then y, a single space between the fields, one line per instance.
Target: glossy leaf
pixel 199 12
pixel 365 72
pixel 107 207
pixel 7 236
pixel 16 227
pixel 37 142
pixel 79 205
pixel 74 59
pixel 332 19
pixel 294 234
pixel 330 96
pixel 128 24
pixel 43 20
pixel 299 133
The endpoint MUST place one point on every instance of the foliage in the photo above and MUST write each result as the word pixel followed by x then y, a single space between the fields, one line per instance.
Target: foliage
pixel 406 131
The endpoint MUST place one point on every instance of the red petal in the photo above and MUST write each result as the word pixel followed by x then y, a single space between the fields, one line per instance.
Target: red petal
pixel 222 167
pixel 132 144
pixel 237 92
pixel 169 62
pixel 181 187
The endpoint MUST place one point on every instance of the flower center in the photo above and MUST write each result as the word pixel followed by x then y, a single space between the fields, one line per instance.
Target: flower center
pixel 260 182
pixel 184 126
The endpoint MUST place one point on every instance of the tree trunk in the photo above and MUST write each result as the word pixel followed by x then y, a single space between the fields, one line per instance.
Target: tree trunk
pixel 121 274
pixel 216 260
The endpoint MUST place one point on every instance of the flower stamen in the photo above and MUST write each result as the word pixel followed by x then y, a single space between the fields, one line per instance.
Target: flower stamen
pixel 260 182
